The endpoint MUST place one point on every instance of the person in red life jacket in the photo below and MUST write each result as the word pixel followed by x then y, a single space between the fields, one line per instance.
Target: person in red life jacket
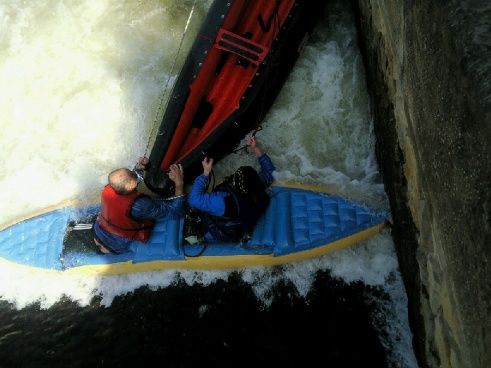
pixel 127 215
pixel 230 210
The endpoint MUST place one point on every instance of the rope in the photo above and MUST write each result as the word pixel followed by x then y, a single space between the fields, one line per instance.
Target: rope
pixel 253 134
pixel 204 245
pixel 159 109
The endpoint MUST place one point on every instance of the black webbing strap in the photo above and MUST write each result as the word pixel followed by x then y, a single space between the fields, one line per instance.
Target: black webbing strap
pixel 241 46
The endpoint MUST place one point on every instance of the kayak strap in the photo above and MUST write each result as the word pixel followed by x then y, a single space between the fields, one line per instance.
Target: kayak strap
pixel 232 42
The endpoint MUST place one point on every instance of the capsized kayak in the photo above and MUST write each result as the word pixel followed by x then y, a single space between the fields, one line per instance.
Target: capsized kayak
pixel 239 60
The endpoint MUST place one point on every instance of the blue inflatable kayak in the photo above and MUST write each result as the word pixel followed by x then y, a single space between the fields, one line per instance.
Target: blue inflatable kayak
pixel 300 223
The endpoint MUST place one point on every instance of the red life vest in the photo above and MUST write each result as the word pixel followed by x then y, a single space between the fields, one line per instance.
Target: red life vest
pixel 115 216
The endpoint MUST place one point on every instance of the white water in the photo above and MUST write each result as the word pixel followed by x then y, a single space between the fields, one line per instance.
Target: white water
pixel 80 83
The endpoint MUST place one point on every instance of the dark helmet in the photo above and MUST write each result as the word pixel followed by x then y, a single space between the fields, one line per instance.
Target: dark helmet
pixel 246 181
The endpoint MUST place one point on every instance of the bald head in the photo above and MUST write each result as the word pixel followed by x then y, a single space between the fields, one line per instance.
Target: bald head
pixel 123 181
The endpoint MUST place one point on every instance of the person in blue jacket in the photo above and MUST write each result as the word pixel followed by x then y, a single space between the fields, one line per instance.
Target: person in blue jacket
pixel 127 215
pixel 232 209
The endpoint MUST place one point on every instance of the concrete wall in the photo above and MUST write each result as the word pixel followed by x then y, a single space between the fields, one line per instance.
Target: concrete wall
pixel 429 72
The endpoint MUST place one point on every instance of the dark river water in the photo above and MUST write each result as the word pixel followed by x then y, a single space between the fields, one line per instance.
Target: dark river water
pixel 183 326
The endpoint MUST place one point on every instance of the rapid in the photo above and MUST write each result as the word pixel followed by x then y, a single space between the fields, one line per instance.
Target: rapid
pixel 81 89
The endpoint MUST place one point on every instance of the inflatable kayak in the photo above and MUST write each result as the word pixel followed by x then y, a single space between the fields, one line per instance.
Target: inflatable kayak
pixel 300 222
pixel 240 58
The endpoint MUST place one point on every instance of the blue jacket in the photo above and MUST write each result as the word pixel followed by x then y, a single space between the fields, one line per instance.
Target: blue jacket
pixel 213 203
pixel 143 208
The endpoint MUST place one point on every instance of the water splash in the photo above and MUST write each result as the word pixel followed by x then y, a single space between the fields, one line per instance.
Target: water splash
pixel 80 85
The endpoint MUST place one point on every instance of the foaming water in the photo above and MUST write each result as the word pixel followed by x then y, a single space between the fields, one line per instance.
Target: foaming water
pixel 319 129
pixel 81 84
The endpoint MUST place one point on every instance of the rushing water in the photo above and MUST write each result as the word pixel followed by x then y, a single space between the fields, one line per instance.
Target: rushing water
pixel 81 83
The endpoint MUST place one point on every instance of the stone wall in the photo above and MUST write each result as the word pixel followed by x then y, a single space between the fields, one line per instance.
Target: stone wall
pixel 428 66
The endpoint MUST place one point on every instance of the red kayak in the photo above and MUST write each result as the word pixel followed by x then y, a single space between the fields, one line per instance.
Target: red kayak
pixel 236 67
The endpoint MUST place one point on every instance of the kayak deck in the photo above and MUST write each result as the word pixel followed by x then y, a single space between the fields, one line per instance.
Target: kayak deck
pixel 298 224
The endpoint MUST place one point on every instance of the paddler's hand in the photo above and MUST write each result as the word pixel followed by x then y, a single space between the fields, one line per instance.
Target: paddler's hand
pixel 251 142
pixel 176 174
pixel 207 165
pixel 142 163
